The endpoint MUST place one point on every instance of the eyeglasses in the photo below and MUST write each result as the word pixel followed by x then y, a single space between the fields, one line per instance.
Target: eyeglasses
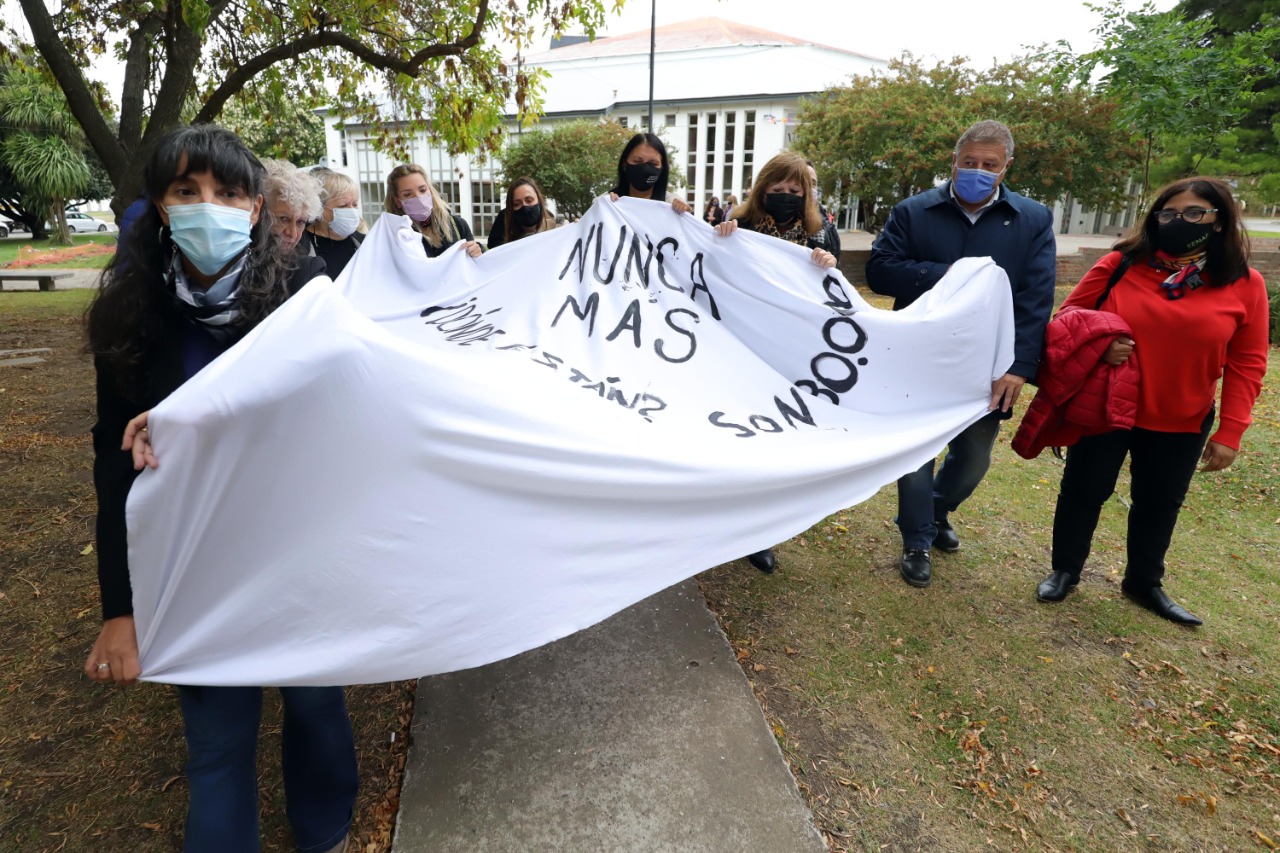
pixel 1195 214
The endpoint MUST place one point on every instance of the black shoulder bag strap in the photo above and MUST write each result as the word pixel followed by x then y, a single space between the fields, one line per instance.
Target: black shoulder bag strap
pixel 1116 275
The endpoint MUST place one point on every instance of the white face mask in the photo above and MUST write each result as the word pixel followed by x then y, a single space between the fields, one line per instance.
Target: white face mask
pixel 345 222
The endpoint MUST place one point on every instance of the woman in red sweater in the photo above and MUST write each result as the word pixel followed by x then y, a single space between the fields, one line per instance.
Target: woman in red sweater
pixel 1198 314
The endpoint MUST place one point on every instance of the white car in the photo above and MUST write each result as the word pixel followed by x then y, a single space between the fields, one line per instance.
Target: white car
pixel 79 223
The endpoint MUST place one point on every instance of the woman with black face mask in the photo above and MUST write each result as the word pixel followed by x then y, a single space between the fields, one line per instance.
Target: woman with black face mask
pixel 525 214
pixel 643 170
pixel 1181 281
pixel 782 205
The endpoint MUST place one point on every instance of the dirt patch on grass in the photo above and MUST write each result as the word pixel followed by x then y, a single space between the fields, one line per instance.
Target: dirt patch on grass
pixel 83 767
pixel 30 256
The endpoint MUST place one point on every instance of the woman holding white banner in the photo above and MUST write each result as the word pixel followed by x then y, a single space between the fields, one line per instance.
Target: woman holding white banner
pixel 525 214
pixel 336 234
pixel 782 205
pixel 202 268
pixel 410 193
pixel 643 171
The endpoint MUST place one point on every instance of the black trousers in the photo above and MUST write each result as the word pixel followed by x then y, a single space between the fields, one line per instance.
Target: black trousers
pixel 1161 465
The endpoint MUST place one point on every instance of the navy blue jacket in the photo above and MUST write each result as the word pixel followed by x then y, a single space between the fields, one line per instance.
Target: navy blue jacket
pixel 929 232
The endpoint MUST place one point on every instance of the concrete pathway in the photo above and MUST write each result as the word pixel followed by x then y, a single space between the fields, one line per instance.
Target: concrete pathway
pixel 640 734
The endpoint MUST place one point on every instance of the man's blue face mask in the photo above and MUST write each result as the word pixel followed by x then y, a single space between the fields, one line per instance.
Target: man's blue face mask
pixel 974 185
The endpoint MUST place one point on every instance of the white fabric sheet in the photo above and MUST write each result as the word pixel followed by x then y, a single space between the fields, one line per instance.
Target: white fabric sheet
pixel 431 465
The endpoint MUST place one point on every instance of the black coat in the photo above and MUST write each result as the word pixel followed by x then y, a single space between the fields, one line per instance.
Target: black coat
pixel 464 234
pixel 113 473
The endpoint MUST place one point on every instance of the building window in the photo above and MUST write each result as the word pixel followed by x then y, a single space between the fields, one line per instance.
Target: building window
pixel 669 119
pixel 371 178
pixel 487 198
pixel 748 149
pixel 622 120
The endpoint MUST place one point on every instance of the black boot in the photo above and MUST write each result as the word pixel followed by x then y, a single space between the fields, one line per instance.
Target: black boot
pixel 1158 602
pixel 1056 586
pixel 946 539
pixel 917 567
pixel 766 561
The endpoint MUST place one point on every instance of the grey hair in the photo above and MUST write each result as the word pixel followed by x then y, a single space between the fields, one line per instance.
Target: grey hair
pixel 298 190
pixel 988 131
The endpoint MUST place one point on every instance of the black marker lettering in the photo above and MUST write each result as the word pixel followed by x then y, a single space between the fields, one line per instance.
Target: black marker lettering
pixel 693 342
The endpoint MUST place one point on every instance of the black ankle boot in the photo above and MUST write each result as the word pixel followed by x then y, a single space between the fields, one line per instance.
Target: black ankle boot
pixel 766 561
pixel 1158 602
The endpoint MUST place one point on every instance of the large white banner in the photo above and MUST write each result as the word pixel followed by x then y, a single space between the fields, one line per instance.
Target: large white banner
pixel 431 465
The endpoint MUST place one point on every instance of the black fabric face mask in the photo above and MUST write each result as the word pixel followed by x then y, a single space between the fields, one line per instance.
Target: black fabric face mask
pixel 1181 238
pixel 784 207
pixel 642 176
pixel 529 215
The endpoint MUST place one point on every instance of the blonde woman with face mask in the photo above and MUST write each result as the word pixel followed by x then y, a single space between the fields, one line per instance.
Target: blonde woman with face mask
pixel 410 193
pixel 337 233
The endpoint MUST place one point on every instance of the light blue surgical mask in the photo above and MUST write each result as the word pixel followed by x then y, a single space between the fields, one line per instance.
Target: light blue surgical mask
pixel 345 222
pixel 974 185
pixel 209 235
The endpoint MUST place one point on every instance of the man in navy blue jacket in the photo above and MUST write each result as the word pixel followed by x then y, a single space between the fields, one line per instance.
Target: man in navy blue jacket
pixel 970 216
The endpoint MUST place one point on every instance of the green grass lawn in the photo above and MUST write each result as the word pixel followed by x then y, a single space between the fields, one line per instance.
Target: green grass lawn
pixel 968 716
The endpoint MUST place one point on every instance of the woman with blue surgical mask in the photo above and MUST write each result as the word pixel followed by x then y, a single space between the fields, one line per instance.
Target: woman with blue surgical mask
pixel 338 232
pixel 201 268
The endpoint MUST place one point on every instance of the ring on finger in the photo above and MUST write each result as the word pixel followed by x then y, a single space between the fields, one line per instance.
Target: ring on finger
pixel 103 666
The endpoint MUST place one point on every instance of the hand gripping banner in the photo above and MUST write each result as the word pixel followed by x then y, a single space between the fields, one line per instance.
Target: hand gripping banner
pixel 431 465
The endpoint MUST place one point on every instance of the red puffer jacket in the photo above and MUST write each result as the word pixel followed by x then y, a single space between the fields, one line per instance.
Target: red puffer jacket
pixel 1079 394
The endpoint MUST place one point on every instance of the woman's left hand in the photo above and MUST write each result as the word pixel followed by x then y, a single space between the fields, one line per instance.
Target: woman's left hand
pixel 138 441
pixel 1217 456
pixel 472 248
pixel 679 205
pixel 823 258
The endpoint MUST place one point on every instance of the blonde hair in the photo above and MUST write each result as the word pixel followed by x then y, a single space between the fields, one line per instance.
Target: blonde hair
pixel 784 167
pixel 440 229
pixel 334 184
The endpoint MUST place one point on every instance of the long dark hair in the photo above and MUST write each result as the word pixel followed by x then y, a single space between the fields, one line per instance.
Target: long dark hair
pixel 623 186
pixel 133 312
pixel 512 230
pixel 1227 258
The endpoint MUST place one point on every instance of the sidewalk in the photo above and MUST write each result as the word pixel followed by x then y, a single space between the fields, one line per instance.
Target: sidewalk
pixel 639 734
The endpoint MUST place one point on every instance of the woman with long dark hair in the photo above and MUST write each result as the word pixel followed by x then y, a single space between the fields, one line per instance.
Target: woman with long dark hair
pixel 525 214
pixel 200 269
pixel 644 170
pixel 1181 281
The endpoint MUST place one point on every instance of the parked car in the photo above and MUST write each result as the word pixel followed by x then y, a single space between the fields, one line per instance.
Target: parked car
pixel 4 229
pixel 79 223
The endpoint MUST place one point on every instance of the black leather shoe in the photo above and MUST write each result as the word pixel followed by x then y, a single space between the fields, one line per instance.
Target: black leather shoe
pixel 1056 586
pixel 1158 602
pixel 946 538
pixel 766 561
pixel 916 568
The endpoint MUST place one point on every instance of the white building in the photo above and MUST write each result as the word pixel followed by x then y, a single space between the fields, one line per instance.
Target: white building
pixel 725 94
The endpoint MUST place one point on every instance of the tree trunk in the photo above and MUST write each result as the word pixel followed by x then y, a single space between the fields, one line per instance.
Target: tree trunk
pixel 58 217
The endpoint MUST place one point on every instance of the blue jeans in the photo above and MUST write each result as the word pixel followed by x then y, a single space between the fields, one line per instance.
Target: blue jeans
pixel 924 499
pixel 319 758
